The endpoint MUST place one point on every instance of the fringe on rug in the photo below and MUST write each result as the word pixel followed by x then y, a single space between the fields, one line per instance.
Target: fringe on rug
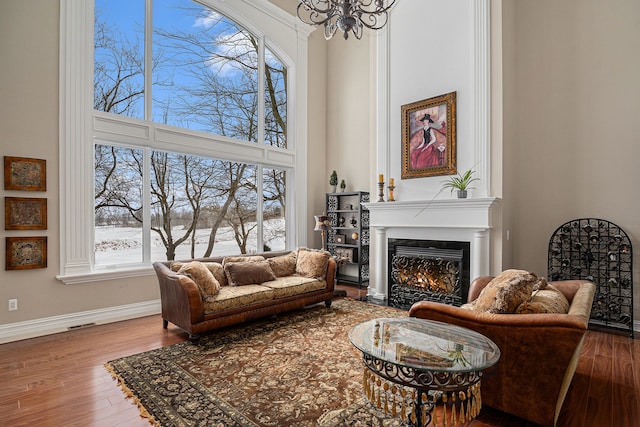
pixel 129 395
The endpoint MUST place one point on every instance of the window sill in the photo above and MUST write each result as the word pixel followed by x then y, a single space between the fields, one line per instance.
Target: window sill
pixel 104 275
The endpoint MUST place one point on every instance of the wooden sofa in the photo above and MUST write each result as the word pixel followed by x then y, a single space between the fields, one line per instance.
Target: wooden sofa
pixel 183 304
pixel 539 352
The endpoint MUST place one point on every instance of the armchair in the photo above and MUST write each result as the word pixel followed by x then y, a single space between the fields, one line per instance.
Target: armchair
pixel 539 352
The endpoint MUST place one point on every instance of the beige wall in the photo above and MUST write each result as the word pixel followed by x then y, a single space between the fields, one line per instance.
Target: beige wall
pixel 575 103
pixel 348 111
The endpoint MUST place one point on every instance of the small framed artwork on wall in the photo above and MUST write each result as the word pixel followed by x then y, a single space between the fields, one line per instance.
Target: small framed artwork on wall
pixel 23 173
pixel 24 213
pixel 26 252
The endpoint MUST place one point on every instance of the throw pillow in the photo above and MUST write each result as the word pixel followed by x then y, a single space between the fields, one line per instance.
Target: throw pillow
pixel 248 273
pixel 200 274
pixel 506 292
pixel 247 258
pixel 284 265
pixel 175 266
pixel 548 300
pixel 312 263
pixel 218 272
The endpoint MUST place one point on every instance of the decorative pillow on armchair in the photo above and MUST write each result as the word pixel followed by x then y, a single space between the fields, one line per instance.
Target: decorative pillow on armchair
pixel 248 273
pixel 200 274
pixel 312 263
pixel 548 300
pixel 507 291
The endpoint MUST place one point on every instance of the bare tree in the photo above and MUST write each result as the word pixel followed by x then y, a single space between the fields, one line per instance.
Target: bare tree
pixel 219 95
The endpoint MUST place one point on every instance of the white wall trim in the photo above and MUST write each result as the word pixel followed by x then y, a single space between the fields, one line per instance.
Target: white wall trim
pixel 55 324
pixel 481 51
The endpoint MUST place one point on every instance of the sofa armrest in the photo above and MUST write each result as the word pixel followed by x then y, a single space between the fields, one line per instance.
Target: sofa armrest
pixel 180 298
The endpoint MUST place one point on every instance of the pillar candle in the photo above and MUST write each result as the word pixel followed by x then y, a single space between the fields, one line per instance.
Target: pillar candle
pixel 380 178
pixel 391 182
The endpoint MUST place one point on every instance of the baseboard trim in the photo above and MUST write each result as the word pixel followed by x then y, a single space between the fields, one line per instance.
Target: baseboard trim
pixel 55 324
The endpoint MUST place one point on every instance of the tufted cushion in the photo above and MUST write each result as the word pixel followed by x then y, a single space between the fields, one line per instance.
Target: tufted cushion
pixel 506 291
pixel 312 263
pixel 284 265
pixel 248 273
pixel 548 300
pixel 200 274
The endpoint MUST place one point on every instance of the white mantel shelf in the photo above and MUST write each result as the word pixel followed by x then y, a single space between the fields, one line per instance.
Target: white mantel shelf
pixel 474 213
pixel 469 220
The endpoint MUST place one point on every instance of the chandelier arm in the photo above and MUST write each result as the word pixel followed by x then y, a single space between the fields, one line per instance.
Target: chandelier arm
pixel 312 15
pixel 345 15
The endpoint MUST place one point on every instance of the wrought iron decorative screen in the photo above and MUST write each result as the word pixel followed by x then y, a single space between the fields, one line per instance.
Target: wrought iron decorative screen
pixel 427 270
pixel 599 251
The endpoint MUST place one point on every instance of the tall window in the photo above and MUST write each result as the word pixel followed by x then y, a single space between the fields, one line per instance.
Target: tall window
pixel 209 91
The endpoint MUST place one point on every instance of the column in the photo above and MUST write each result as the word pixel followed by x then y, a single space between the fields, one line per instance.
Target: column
pixel 378 289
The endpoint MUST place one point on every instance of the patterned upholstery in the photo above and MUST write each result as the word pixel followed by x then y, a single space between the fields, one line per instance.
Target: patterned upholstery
pixel 294 285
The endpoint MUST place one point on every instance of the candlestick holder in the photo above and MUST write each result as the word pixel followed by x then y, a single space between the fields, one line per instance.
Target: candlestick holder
pixel 381 191
pixel 391 188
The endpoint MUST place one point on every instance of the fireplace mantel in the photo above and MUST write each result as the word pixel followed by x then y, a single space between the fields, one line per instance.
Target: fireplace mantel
pixel 468 220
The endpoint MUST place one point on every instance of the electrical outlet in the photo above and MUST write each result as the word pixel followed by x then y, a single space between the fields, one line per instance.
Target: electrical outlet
pixel 13 304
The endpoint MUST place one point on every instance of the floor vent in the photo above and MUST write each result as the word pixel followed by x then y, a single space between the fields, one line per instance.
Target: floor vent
pixel 86 325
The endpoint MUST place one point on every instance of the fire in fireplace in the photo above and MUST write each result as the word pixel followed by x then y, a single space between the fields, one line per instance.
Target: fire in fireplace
pixel 428 270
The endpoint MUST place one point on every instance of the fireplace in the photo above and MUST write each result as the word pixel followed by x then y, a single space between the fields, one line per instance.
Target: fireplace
pixel 427 270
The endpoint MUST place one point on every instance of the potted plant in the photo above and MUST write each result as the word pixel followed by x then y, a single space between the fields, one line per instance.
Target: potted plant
pixel 343 185
pixel 461 183
pixel 333 181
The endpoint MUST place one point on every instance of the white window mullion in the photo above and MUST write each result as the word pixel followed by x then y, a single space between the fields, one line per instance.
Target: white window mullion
pixel 146 207
pixel 148 60
pixel 260 209
pixel 261 91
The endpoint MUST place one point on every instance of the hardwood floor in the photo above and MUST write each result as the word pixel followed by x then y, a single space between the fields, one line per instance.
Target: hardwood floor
pixel 59 380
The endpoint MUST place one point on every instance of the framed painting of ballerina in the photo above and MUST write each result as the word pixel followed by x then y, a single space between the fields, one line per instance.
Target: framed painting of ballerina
pixel 429 137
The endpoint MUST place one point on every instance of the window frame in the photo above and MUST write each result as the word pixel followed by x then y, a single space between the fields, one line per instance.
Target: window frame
pixel 81 128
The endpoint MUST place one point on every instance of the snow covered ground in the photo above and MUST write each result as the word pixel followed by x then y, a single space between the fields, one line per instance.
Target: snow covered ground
pixel 123 245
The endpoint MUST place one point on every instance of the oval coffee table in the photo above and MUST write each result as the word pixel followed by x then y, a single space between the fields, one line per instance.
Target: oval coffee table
pixel 411 364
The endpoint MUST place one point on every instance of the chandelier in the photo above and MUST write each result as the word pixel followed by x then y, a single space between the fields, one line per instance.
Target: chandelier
pixel 345 15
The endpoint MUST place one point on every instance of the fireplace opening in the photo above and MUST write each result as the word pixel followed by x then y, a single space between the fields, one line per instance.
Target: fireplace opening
pixel 428 270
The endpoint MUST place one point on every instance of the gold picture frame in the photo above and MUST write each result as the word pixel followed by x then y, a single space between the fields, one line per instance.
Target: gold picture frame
pixel 26 252
pixel 24 173
pixel 429 137
pixel 25 213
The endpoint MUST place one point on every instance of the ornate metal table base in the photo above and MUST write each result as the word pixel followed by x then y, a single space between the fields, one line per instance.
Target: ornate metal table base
pixel 413 395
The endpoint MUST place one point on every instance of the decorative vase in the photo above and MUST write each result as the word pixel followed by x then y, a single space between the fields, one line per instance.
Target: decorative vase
pixel 462 194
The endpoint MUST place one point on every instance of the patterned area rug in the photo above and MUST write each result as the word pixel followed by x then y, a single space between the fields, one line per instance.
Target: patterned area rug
pixel 296 369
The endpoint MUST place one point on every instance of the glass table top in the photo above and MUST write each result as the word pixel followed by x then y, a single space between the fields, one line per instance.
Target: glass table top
pixel 424 344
